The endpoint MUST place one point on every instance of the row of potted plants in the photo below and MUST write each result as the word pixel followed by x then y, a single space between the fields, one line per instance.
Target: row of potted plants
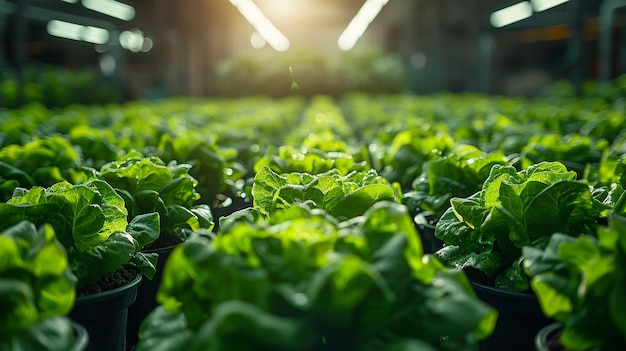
pixel 55 86
pixel 484 205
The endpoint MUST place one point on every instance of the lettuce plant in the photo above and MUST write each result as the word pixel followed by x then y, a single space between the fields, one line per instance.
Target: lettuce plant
pixel 40 162
pixel 576 151
pixel 37 290
pixel 212 165
pixel 460 173
pixel 581 283
pixel 486 231
pixel 308 160
pixel 90 221
pixel 148 185
pixel 409 150
pixel 97 146
pixel 302 280
pixel 342 196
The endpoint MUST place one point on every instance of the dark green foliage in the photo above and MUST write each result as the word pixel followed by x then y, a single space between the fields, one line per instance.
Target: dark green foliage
pixel 487 230
pixel 581 283
pixel 37 290
pixel 90 220
pixel 302 280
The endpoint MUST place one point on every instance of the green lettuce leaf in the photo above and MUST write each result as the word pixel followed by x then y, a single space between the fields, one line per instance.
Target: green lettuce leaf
pixel 91 220
pixel 36 283
pixel 341 196
pixel 516 209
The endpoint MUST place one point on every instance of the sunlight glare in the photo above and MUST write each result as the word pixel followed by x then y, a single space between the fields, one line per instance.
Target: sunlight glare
pixel 257 41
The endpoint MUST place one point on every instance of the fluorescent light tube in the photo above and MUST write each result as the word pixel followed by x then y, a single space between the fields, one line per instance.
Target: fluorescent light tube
pixel 262 24
pixel 542 5
pixel 111 8
pixel 358 25
pixel 511 14
pixel 78 32
pixel 94 35
pixel 65 30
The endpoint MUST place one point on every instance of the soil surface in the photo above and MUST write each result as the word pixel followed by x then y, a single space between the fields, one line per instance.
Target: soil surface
pixel 110 281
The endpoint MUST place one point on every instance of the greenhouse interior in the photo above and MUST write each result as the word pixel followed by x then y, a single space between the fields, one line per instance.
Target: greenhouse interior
pixel 313 175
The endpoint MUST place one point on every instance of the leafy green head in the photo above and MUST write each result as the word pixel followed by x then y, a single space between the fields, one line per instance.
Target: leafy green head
pixel 314 283
pixel 91 223
pixel 136 174
pixel 581 283
pixel 459 173
pixel 37 289
pixel 342 196
pixel 487 230
pixel 42 161
pixel 148 185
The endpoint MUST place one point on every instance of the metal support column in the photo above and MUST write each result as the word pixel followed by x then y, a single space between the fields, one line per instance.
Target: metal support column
pixel 576 47
pixel 607 11
pixel 21 29
pixel 6 9
pixel 486 51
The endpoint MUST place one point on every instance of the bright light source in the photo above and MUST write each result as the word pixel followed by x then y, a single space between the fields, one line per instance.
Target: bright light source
pixel 257 41
pixel 542 5
pixel 94 35
pixel 111 8
pixel 64 29
pixel 70 1
pixel 135 41
pixel 75 31
pixel 107 64
pixel 511 14
pixel 264 26
pixel 132 40
pixel 147 45
pixel 358 25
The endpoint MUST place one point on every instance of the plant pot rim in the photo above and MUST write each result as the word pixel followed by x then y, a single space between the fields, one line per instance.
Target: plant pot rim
pixel 81 339
pixel 161 249
pixel 542 336
pixel 502 292
pixel 109 294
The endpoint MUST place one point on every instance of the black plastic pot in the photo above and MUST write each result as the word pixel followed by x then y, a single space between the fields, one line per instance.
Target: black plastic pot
pixel 81 337
pixel 146 296
pixel 519 319
pixel 227 206
pixel 425 225
pixel 545 335
pixel 104 316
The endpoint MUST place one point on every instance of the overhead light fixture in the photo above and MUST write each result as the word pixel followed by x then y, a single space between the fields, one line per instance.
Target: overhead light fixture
pixel 94 35
pixel 358 25
pixel 262 24
pixel 134 40
pixel 542 5
pixel 111 8
pixel 78 32
pixel 511 14
pixel 70 1
pixel 65 30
